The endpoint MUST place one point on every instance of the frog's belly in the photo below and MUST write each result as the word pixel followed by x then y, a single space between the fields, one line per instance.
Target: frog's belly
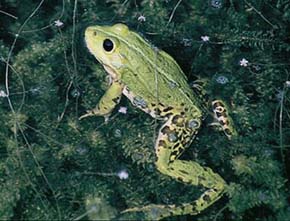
pixel 139 102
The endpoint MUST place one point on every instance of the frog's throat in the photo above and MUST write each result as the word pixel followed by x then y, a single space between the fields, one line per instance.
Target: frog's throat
pixel 110 71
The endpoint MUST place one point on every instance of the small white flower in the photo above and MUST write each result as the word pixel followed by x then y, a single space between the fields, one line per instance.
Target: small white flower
pixel 58 23
pixel 123 174
pixel 123 110
pixel 205 38
pixel 141 18
pixel 287 83
pixel 244 62
pixel 3 94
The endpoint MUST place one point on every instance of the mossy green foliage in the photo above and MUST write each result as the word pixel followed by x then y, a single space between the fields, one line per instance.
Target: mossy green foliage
pixel 53 166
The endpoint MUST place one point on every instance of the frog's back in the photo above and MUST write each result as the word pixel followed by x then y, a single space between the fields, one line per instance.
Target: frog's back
pixel 154 75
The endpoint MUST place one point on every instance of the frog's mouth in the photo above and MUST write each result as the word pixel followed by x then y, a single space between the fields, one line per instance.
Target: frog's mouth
pixel 110 70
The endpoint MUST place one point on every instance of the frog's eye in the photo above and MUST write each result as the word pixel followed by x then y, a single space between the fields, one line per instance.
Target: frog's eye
pixel 108 45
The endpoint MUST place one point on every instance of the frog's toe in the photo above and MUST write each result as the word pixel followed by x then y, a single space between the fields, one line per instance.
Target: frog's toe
pixel 149 212
pixel 88 114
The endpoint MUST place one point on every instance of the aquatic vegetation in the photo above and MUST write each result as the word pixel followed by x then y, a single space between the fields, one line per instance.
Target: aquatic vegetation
pixel 52 166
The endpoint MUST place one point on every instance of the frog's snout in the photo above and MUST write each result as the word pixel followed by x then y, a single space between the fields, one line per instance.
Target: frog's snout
pixel 90 32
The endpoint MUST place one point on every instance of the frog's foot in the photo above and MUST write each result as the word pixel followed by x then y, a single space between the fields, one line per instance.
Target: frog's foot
pixel 91 113
pixel 174 136
pixel 88 114
pixel 222 118
pixel 108 101
pixel 150 212
pixel 157 212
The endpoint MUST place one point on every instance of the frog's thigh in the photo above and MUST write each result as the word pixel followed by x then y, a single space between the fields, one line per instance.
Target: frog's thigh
pixel 168 150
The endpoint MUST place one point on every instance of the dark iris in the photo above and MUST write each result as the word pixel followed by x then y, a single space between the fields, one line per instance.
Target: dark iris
pixel 108 45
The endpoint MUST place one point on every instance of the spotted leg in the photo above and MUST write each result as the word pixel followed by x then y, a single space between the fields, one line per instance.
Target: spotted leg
pixel 107 103
pixel 222 118
pixel 175 135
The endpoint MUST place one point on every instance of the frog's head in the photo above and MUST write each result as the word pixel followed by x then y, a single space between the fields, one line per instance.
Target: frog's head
pixel 104 42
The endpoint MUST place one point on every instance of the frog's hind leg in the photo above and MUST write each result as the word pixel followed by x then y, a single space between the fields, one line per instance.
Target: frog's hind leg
pixel 175 135
pixel 222 118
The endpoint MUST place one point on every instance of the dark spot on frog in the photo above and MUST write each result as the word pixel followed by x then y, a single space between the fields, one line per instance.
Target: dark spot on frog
pixel 194 205
pixel 226 122
pixel 187 94
pixel 182 104
pixel 177 120
pixel 162 105
pixel 162 143
pixel 165 130
pixel 182 207
pixel 200 179
pixel 194 211
pixel 174 153
pixel 220 109
pixel 216 104
pixel 180 179
pixel 180 149
pixel 228 131
pixel 206 198
pixel 175 146
pixel 153 105
pixel 184 172
pixel 116 100
pixel 167 115
pixel 157 111
pixel 219 114
pixel 167 109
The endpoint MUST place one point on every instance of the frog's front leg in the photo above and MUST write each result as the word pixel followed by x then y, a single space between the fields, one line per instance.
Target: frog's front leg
pixel 107 103
pixel 175 135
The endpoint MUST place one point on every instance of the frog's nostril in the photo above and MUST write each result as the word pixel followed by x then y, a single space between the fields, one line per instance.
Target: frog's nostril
pixel 95 33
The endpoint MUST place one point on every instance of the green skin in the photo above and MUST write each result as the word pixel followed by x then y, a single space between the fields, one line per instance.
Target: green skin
pixel 153 81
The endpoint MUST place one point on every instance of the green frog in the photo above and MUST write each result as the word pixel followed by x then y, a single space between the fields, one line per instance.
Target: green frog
pixel 153 81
